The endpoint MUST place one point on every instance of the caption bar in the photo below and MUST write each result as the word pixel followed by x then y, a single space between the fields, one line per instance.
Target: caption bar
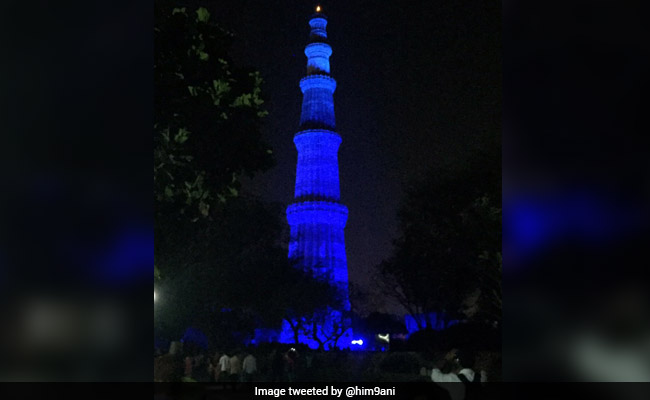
pixel 350 391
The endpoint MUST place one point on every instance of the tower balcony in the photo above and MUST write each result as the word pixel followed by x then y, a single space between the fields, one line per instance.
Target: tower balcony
pixel 318 58
pixel 318 24
pixel 317 81
pixel 315 130
pixel 317 212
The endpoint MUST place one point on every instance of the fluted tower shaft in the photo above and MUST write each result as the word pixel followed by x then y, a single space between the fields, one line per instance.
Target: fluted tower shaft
pixel 317 218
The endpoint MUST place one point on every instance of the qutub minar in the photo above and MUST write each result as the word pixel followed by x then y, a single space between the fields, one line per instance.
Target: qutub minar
pixel 317 217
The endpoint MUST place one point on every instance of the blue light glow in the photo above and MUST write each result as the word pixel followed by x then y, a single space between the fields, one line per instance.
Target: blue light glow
pixel 317 237
pixel 317 172
pixel 317 219
pixel 318 58
pixel 323 331
pixel 434 320
pixel 317 102
pixel 317 82
pixel 195 337
pixel 318 28
pixel 317 212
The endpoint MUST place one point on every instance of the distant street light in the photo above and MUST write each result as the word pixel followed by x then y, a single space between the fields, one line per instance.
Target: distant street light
pixel 384 338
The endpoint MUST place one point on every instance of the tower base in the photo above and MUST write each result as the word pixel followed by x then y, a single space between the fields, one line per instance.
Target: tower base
pixel 287 336
pixel 333 331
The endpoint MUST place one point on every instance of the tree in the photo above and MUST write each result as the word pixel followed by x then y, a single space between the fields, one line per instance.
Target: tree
pixel 207 135
pixel 237 264
pixel 230 278
pixel 379 323
pixel 327 326
pixel 485 216
pixel 450 244
pixel 207 115
pixel 312 306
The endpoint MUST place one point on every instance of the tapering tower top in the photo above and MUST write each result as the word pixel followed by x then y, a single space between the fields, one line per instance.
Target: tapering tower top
pixel 318 51
pixel 318 87
pixel 318 23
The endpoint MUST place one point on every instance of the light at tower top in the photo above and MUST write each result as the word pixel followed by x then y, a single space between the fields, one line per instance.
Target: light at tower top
pixel 317 8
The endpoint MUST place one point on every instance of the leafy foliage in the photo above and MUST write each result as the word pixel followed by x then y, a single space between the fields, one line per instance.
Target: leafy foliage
pixel 207 135
pixel 207 115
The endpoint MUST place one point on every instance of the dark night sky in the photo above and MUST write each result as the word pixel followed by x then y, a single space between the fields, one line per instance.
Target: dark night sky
pixel 419 83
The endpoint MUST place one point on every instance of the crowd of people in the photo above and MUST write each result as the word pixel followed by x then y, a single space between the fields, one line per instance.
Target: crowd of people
pixel 238 366
pixel 458 372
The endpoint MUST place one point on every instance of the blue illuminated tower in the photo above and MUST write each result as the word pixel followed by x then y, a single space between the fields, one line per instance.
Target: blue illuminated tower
pixel 317 217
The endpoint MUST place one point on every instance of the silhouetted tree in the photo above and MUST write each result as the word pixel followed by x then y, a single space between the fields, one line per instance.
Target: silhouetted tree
pixel 236 264
pixel 449 249
pixel 312 306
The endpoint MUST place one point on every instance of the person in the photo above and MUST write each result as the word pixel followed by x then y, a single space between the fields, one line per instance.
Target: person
pixel 168 368
pixel 459 365
pixel 290 359
pixel 188 367
pixel 214 367
pixel 308 365
pixel 224 367
pixel 276 366
pixel 200 368
pixel 249 368
pixel 235 368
